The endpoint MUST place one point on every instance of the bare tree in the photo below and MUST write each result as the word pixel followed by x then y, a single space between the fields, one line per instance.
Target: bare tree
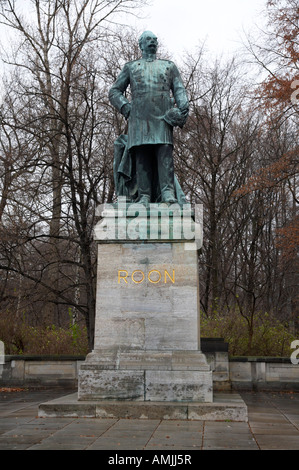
pixel 60 105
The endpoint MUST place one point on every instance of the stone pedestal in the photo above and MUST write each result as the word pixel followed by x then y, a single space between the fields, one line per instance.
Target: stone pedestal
pixel 147 331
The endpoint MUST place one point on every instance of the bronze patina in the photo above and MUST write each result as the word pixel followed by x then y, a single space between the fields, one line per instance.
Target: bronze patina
pixel 143 165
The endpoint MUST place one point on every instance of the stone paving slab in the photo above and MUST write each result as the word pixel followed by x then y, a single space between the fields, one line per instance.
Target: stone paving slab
pixel 273 424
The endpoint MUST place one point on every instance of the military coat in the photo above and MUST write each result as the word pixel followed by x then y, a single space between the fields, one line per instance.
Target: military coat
pixel 156 85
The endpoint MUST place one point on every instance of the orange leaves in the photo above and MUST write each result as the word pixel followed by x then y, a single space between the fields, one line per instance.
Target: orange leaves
pixel 278 91
pixel 288 239
pixel 283 50
pixel 11 389
pixel 269 176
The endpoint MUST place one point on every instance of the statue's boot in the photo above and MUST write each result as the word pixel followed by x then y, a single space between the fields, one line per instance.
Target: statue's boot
pixel 166 174
pixel 144 177
pixel 145 200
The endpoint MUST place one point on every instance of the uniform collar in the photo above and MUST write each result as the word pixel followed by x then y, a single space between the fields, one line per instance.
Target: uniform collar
pixel 149 58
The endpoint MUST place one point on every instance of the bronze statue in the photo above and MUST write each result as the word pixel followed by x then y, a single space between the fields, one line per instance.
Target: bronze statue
pixel 144 158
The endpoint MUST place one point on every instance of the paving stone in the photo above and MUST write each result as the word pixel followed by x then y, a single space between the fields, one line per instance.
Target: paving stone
pixel 172 448
pixel 121 441
pixel 222 426
pixel 273 429
pixel 181 426
pixel 273 424
pixel 150 424
pixel 177 439
pixel 269 442
pixel 267 417
pixel 222 444
pixel 53 445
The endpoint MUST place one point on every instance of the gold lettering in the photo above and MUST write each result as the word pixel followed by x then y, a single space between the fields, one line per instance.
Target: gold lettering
pixel 138 276
pixel 134 280
pixel 149 276
pixel 122 277
pixel 166 273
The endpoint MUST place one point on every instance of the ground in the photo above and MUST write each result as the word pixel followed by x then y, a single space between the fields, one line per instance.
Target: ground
pixel 273 424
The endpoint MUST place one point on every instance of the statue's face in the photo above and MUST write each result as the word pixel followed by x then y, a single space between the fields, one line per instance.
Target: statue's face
pixel 149 43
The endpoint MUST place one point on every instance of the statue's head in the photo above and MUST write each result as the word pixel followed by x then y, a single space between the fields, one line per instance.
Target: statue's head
pixel 148 42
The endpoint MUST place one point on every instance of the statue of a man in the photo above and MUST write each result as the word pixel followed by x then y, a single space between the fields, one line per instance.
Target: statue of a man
pixel 151 117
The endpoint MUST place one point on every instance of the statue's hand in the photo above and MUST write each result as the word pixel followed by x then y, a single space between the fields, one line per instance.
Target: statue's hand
pixel 185 110
pixel 126 110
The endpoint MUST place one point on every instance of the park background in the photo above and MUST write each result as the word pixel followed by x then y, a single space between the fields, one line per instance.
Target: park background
pixel 237 156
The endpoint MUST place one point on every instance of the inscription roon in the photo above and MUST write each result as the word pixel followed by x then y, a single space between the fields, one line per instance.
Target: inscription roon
pixel 138 277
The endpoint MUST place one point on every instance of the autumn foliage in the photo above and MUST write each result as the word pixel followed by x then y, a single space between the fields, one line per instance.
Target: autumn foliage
pixel 279 99
pixel 283 55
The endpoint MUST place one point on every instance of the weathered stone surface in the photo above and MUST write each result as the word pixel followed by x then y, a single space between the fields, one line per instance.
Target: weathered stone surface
pixel 98 384
pixel 189 360
pixel 179 386
pixel 147 338
pixel 158 223
pixel 147 359
pixel 163 376
pixel 215 412
pixel 226 406
pixel 149 314
pixel 117 331
pixel 42 369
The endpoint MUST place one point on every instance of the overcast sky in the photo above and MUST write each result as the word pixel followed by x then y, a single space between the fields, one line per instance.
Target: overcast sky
pixel 183 24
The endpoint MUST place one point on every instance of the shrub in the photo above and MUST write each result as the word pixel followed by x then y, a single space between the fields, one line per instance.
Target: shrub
pixel 270 337
pixel 21 338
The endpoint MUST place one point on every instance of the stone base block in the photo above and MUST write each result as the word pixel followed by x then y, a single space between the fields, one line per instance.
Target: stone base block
pixel 98 384
pixel 147 360
pixel 179 386
pixel 146 376
pixel 225 406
